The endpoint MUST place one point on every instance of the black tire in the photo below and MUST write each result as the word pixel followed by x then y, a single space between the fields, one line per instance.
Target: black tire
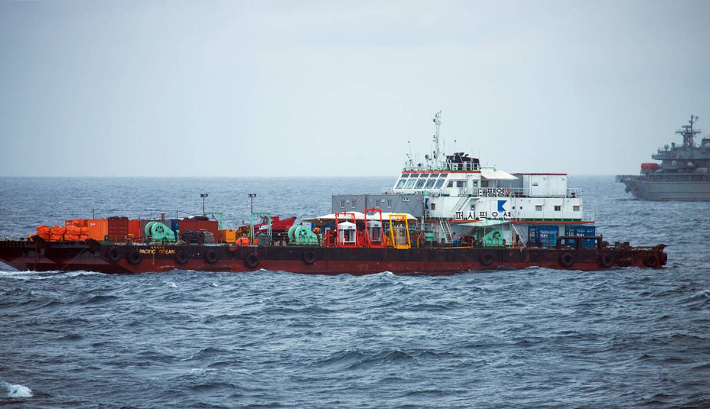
pixel 181 257
pixel 607 260
pixel 486 259
pixel 211 256
pixel 567 260
pixel 114 254
pixel 309 257
pixel 650 260
pixel 135 257
pixel 251 260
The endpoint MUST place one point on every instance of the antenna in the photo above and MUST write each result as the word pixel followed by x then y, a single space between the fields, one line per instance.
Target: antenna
pixel 410 160
pixel 437 124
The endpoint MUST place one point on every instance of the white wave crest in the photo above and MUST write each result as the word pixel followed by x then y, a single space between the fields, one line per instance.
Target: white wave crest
pixel 43 275
pixel 17 391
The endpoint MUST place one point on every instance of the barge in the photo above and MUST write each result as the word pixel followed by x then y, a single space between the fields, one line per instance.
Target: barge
pixel 444 215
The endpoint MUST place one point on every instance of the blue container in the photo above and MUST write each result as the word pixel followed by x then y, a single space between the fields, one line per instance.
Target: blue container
pixel 581 231
pixel 543 236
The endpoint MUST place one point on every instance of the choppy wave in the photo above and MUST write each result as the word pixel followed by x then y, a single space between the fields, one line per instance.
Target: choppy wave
pixel 536 337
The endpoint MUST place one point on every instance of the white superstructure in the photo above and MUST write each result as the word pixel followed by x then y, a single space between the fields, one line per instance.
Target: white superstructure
pixel 461 195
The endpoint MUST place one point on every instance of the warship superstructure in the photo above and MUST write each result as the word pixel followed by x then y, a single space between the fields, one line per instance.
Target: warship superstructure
pixel 682 174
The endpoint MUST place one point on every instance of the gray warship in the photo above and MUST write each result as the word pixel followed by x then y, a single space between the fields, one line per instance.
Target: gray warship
pixel 682 174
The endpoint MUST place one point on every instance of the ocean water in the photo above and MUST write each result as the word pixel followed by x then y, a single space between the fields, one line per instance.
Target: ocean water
pixel 536 337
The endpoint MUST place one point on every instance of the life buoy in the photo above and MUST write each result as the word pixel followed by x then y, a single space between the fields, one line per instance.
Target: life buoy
pixel 309 257
pixel 567 260
pixel 650 260
pixel 211 256
pixel 114 254
pixel 181 257
pixel 251 260
pixel 135 257
pixel 486 259
pixel 607 260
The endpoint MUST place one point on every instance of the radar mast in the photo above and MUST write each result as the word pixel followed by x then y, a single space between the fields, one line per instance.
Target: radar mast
pixel 688 132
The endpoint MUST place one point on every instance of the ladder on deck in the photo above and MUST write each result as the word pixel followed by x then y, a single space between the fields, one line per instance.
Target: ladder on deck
pixel 460 206
pixel 523 237
pixel 446 229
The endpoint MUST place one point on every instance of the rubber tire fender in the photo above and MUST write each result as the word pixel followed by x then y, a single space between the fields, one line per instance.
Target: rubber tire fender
pixel 134 257
pixel 114 254
pixel 211 256
pixel 251 260
pixel 181 257
pixel 664 259
pixel 607 260
pixel 486 258
pixel 309 257
pixel 650 260
pixel 567 260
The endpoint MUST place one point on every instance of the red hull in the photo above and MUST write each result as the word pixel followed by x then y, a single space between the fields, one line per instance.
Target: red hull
pixel 320 260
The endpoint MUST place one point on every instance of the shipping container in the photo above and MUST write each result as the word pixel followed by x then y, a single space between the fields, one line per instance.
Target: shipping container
pixel 118 229
pixel 581 231
pixel 543 236
pixel 134 229
pixel 98 229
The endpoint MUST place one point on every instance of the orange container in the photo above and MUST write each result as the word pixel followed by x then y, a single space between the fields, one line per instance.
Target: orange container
pixel 134 228
pixel 98 229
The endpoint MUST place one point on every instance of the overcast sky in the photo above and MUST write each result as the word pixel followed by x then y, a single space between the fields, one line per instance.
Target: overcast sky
pixel 337 88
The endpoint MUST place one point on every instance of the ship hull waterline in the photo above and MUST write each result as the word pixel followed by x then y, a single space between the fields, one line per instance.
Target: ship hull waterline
pixel 643 189
pixel 131 259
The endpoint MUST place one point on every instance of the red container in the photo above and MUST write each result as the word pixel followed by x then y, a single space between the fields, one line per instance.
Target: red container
pixel 211 226
pixel 118 229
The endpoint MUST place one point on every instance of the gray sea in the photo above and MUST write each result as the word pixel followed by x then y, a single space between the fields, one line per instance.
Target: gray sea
pixel 537 337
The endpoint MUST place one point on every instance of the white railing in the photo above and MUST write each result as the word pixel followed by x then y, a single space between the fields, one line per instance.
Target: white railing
pixel 568 193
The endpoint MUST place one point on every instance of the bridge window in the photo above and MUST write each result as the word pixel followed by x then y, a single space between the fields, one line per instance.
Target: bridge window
pixel 410 183
pixel 439 183
pixel 420 183
pixel 460 183
pixel 400 183
pixel 430 183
